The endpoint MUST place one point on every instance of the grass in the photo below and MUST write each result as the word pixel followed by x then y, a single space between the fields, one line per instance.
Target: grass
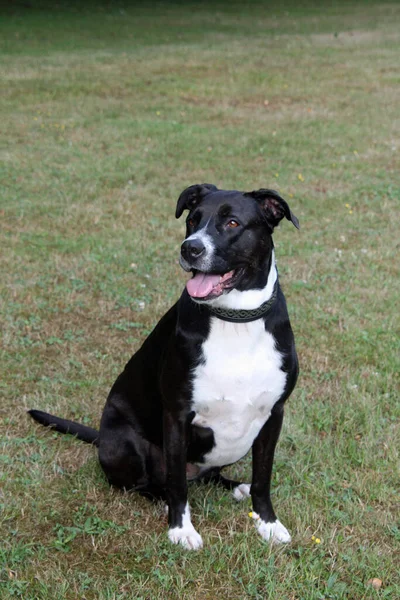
pixel 108 111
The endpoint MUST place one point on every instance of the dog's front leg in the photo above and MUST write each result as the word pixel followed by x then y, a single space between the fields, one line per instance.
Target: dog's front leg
pixel 268 526
pixel 181 530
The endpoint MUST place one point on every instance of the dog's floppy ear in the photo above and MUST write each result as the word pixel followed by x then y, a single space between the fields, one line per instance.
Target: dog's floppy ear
pixel 192 196
pixel 274 207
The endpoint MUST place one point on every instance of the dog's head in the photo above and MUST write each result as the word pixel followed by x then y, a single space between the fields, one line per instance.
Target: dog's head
pixel 228 237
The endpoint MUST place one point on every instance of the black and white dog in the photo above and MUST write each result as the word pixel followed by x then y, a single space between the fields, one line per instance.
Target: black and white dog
pixel 210 381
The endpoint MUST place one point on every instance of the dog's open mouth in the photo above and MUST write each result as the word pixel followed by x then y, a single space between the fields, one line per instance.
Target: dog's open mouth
pixel 205 286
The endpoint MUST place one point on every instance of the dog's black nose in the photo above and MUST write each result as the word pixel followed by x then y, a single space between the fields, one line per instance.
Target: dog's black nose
pixel 191 249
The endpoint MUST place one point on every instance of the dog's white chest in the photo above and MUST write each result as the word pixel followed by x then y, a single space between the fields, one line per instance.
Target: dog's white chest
pixel 236 387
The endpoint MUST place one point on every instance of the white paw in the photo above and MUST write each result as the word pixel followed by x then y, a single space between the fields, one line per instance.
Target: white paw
pixel 272 532
pixel 242 491
pixel 186 536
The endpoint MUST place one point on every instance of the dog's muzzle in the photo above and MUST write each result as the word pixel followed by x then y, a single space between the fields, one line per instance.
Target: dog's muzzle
pixel 192 249
pixel 193 255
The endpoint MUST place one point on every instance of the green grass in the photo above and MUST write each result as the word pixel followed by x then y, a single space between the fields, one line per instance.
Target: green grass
pixel 108 111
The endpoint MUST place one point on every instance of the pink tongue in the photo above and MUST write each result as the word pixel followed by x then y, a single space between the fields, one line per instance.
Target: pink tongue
pixel 202 284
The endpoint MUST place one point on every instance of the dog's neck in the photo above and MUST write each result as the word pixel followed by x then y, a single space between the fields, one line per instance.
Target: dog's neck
pixel 248 299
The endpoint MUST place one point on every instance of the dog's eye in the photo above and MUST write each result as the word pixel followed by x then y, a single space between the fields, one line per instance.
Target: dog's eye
pixel 232 223
pixel 190 222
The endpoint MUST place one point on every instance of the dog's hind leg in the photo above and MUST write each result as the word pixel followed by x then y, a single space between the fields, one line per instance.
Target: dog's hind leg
pixel 131 462
pixel 240 491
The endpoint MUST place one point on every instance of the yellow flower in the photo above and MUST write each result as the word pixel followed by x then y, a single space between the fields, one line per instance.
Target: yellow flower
pixel 276 174
pixel 315 539
pixel 300 177
pixel 347 205
pixel 350 212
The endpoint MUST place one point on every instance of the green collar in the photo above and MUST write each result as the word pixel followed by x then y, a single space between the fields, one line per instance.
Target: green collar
pixel 243 315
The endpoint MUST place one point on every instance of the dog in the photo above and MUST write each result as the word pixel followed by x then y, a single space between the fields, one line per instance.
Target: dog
pixel 211 380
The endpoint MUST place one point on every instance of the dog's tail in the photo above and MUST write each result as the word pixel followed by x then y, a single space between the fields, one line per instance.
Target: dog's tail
pixel 82 432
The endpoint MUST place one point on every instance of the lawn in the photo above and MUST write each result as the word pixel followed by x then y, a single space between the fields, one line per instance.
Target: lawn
pixel 108 111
